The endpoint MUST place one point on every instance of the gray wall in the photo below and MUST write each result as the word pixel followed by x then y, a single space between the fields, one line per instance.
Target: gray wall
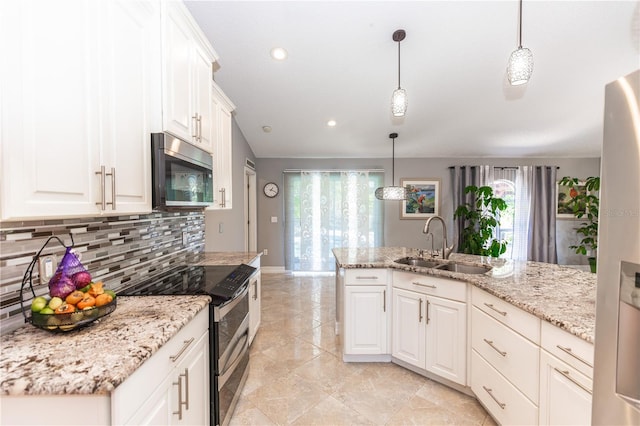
pixel 399 232
pixel 233 230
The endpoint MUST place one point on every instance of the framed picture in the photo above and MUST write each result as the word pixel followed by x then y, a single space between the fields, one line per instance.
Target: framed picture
pixel 564 210
pixel 424 198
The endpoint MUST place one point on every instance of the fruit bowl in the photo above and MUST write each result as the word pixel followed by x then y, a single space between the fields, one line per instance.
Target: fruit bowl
pixel 73 320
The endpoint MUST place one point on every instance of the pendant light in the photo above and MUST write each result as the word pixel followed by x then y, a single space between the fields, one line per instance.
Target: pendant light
pixel 399 97
pixel 392 192
pixel 521 60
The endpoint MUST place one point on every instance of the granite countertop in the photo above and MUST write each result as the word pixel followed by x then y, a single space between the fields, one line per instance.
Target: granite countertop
pixel 561 295
pixel 96 359
pixel 227 257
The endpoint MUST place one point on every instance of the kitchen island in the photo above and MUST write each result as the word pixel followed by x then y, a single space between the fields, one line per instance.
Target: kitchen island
pixel 516 335
pixel 561 295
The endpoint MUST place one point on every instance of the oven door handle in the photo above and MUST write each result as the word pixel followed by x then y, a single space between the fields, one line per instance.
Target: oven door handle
pixel 241 346
pixel 220 311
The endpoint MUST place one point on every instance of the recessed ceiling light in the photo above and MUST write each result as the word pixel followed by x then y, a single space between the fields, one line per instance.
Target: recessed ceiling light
pixel 266 129
pixel 331 123
pixel 278 53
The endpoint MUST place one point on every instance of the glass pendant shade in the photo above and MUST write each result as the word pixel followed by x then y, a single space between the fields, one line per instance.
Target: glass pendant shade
pixel 399 102
pixel 393 193
pixel 520 66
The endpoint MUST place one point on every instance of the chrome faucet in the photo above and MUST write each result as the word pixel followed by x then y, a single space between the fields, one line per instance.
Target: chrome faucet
pixel 445 250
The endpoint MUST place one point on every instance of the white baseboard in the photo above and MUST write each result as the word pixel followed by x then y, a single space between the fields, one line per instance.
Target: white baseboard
pixel 272 269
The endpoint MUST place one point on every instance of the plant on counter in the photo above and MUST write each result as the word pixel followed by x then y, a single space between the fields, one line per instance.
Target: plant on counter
pixel 585 205
pixel 480 218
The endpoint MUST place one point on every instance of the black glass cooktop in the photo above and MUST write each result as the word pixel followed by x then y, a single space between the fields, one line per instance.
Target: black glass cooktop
pixel 221 282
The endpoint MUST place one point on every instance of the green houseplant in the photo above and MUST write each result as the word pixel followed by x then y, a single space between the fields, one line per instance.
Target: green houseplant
pixel 585 205
pixel 480 218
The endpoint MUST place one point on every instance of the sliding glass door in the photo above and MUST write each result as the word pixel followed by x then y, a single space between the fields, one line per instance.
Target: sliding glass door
pixel 330 209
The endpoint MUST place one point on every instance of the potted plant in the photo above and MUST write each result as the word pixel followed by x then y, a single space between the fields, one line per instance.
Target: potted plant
pixel 584 205
pixel 480 218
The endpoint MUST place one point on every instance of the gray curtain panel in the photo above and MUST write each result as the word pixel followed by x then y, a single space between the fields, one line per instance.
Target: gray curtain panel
pixel 461 177
pixel 542 216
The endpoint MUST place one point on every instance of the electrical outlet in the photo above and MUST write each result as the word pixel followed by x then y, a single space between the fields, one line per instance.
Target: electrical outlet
pixel 46 267
pixel 265 252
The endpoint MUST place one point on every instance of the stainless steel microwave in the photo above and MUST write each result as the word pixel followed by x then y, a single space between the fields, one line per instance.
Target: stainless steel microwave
pixel 182 173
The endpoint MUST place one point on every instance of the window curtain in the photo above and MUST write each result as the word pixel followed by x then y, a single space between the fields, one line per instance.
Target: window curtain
pixel 463 176
pixel 521 214
pixel 326 210
pixel 542 215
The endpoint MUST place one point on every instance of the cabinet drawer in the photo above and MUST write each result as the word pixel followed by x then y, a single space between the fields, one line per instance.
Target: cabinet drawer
pixel 136 389
pixel 515 318
pixel 430 285
pixel 512 355
pixel 365 276
pixel 571 349
pixel 505 403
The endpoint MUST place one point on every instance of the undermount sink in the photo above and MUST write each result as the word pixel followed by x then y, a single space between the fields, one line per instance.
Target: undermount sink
pixel 418 261
pixel 462 268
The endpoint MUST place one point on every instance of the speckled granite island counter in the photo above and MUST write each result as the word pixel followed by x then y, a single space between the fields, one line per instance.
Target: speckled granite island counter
pixel 228 258
pixel 558 294
pixel 96 359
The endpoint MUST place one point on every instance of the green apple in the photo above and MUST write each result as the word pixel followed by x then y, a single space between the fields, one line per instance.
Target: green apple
pixel 46 311
pixel 55 303
pixel 38 304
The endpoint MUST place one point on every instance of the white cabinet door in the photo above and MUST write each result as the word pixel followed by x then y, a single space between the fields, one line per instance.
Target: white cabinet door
pixel 92 108
pixel 565 393
pixel 187 78
pixel 222 141
pixel 190 392
pixel 409 327
pixel 177 114
pixel 255 289
pixel 446 353
pixel 131 108
pixel 365 320
pixel 50 117
pixel 156 410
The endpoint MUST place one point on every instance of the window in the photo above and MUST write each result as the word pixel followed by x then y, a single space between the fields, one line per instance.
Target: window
pixel 326 210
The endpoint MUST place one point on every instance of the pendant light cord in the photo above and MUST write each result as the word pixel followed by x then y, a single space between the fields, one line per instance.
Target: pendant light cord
pixel 393 163
pixel 399 65
pixel 519 27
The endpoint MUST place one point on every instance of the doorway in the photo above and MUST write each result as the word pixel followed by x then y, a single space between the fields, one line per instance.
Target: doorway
pixel 250 210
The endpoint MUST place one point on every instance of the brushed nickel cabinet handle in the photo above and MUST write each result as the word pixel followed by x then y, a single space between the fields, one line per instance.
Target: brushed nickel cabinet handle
pixel 490 343
pixel 566 374
pixel 179 384
pixel 490 392
pixel 384 300
pixel 186 384
pixel 428 319
pixel 255 288
pixel 194 122
pixel 199 128
pixel 103 197
pixel 420 311
pixel 568 351
pixel 366 278
pixel 423 285
pixel 223 200
pixel 490 306
pixel 113 187
pixel 184 348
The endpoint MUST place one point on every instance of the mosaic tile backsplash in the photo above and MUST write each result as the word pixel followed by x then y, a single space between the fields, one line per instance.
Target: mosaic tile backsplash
pixel 119 251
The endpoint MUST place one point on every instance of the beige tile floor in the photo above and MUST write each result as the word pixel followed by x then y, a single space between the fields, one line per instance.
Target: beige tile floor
pixel 297 376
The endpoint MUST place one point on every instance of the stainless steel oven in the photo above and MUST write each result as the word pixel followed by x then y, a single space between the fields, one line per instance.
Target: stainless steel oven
pixel 230 343
pixel 228 287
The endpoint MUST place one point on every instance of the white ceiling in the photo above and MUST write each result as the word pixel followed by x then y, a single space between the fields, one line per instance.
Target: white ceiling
pixel 342 65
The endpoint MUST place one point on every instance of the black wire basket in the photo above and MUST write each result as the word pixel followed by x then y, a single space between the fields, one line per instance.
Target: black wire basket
pixel 58 322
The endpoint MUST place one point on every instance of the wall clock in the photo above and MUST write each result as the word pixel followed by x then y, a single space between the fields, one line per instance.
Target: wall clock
pixel 271 190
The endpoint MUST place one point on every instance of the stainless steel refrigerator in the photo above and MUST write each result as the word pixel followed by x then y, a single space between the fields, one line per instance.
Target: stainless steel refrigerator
pixel 616 384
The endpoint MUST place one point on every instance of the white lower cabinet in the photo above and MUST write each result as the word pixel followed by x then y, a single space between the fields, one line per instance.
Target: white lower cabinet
pixel 365 320
pixel 565 393
pixel 171 387
pixel 430 332
pixel 255 300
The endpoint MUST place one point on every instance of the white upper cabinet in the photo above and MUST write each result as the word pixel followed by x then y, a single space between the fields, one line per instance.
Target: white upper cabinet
pixel 79 91
pixel 222 141
pixel 187 76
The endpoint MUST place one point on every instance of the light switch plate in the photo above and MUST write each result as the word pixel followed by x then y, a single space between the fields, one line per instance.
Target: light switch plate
pixel 47 267
pixel 274 219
